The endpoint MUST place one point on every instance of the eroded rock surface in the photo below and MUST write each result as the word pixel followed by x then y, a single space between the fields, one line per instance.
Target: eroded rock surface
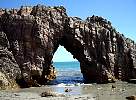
pixel 35 33
pixel 9 69
pixel 104 54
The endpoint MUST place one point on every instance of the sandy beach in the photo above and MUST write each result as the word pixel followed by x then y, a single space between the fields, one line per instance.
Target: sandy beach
pixel 111 91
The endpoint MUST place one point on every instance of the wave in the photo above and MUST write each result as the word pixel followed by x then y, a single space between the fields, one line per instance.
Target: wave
pixel 72 85
pixel 68 73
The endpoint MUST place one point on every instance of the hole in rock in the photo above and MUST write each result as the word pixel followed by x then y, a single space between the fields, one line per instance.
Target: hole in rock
pixel 68 68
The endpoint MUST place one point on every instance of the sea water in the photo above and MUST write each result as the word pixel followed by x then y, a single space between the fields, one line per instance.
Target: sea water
pixel 70 77
pixel 68 73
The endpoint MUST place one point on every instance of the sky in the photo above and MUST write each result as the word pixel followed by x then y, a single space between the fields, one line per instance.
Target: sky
pixel 121 13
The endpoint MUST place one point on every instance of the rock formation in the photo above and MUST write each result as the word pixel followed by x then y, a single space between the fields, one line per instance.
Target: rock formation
pixel 9 69
pixel 29 37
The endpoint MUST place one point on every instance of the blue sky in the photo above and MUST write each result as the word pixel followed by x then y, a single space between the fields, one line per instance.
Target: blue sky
pixel 122 14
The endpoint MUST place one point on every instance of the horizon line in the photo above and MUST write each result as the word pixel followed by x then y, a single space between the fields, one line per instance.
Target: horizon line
pixel 66 61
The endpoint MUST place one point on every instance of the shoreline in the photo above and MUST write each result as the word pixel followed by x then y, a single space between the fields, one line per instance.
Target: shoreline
pixel 110 91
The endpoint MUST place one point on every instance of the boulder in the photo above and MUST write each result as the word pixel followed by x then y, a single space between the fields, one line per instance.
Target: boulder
pixel 51 94
pixel 131 97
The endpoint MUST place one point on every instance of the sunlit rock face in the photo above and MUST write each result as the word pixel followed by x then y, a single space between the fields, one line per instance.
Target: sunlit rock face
pixel 104 54
pixel 34 34
pixel 9 69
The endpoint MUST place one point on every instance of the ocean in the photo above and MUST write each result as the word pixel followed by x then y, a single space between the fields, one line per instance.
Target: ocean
pixel 69 82
pixel 68 73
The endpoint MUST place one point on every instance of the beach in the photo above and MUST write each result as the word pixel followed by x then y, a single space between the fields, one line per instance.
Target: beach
pixel 111 91
pixel 58 51
pixel 69 85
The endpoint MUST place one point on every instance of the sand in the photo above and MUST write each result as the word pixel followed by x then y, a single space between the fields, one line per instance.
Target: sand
pixel 111 91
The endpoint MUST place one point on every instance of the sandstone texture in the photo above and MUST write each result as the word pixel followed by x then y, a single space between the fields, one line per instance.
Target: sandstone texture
pixel 9 69
pixel 30 36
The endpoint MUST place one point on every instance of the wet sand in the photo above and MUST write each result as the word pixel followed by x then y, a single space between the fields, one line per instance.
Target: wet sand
pixel 111 91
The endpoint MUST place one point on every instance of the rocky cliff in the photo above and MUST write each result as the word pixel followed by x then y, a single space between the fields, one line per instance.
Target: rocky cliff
pixel 29 37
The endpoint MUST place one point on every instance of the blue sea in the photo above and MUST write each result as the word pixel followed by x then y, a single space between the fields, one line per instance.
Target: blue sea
pixel 68 73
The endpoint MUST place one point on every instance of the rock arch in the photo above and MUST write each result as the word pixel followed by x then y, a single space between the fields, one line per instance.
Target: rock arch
pixel 34 34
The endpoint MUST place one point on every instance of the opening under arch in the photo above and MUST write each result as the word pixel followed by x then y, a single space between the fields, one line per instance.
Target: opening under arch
pixel 68 68
pixel 62 55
